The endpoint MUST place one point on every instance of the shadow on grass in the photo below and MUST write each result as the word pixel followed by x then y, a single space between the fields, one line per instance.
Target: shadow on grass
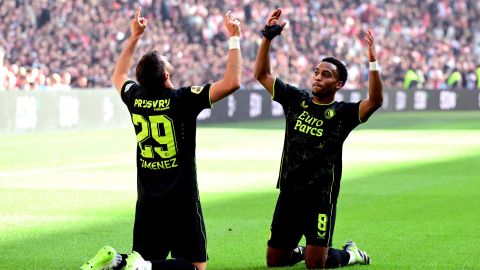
pixel 403 218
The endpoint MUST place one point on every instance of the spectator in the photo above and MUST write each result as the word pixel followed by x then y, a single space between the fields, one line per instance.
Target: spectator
pixel 3 71
pixel 477 73
pixel 81 37
pixel 411 79
pixel 455 79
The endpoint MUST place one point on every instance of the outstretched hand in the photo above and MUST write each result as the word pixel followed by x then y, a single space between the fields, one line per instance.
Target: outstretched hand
pixel 274 18
pixel 372 53
pixel 231 24
pixel 138 23
pixel 272 28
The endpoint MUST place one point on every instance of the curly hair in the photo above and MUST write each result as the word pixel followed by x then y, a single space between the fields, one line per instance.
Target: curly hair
pixel 341 68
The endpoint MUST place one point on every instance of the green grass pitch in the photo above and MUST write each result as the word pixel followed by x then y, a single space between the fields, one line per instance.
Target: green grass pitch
pixel 410 193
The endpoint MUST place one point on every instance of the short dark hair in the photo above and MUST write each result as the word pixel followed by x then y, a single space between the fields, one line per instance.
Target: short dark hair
pixel 150 70
pixel 341 68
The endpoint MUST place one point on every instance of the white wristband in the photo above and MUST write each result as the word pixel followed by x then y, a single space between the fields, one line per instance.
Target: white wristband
pixel 234 42
pixel 373 66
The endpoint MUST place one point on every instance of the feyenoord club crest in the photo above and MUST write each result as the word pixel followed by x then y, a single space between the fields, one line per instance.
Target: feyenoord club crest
pixel 329 113
pixel 197 89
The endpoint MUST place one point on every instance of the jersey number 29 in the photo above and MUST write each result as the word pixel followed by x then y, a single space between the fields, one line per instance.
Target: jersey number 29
pixel 160 128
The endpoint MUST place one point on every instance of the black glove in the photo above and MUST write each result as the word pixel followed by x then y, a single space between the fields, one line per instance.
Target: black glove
pixel 269 32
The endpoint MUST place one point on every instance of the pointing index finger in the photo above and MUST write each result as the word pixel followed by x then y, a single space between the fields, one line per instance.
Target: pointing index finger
pixel 227 16
pixel 137 13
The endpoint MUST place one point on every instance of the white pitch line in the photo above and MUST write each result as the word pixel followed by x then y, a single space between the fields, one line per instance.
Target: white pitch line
pixel 33 171
pixel 19 173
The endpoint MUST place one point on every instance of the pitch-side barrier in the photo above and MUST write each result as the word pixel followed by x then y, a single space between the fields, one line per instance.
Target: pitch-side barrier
pixel 24 112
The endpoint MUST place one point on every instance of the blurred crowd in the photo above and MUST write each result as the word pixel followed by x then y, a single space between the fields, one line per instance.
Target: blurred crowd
pixel 65 44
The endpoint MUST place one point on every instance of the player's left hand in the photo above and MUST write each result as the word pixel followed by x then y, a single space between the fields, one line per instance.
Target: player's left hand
pixel 372 53
pixel 138 23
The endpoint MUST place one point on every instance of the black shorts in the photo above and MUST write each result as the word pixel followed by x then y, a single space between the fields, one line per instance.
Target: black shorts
pixel 163 227
pixel 296 216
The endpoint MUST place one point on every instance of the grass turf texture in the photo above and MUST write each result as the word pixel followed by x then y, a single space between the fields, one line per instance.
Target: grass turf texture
pixel 409 193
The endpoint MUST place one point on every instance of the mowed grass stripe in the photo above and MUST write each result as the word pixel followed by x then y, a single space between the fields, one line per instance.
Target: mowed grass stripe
pixel 408 212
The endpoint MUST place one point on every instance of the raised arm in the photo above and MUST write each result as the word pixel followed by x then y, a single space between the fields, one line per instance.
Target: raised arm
pixel 120 74
pixel 262 65
pixel 233 72
pixel 375 87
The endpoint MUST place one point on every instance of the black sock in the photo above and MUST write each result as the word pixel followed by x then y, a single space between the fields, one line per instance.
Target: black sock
pixel 337 258
pixel 298 255
pixel 122 263
pixel 172 264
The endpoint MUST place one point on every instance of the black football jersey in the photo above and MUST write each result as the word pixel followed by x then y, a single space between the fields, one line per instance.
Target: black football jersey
pixel 165 126
pixel 314 136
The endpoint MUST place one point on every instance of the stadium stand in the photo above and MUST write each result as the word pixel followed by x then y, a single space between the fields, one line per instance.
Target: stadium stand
pixel 52 44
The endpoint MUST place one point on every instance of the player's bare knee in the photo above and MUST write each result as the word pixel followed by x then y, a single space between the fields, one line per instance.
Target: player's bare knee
pixel 273 258
pixel 272 262
pixel 315 264
pixel 275 261
pixel 200 265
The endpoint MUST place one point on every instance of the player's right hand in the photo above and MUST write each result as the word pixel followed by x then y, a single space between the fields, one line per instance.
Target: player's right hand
pixel 372 52
pixel 231 24
pixel 274 17
pixel 138 23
